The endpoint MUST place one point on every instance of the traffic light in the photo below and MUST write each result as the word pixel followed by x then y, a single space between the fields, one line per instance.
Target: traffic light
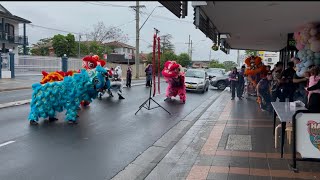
pixel 196 16
pixel 184 9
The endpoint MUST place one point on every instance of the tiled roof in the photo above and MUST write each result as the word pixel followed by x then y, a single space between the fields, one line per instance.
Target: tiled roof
pixel 119 44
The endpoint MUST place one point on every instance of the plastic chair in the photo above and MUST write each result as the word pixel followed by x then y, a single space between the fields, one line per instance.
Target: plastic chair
pixel 288 132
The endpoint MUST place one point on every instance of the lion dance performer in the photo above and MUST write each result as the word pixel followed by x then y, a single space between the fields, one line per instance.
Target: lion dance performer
pixel 175 78
pixel 90 62
pixel 114 82
pixel 255 71
pixel 56 95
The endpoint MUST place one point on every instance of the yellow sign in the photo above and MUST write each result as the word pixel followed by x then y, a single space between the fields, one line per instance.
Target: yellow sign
pixel 189 86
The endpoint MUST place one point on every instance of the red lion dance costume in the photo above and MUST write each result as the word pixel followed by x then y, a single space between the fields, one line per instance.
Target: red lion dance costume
pixel 255 71
pixel 175 78
pixel 91 62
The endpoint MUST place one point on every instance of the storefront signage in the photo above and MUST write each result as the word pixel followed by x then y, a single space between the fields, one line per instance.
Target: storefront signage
pixel 291 43
pixel 308 135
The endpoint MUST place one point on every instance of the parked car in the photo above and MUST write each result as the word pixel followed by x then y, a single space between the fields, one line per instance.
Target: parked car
pixel 197 80
pixel 218 78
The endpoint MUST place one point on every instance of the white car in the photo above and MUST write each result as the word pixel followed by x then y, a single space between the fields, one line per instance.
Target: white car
pixel 197 80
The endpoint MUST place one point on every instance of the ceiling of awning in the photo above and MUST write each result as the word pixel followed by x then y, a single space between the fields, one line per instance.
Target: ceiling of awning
pixel 260 25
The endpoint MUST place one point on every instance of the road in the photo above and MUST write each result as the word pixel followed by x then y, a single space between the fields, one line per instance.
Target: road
pixel 108 137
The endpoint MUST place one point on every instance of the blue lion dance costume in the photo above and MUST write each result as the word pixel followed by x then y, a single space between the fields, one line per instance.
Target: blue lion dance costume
pixel 52 97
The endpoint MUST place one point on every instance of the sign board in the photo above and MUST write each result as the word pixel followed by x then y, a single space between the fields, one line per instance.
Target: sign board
pixel 308 135
pixel 128 55
pixel 291 43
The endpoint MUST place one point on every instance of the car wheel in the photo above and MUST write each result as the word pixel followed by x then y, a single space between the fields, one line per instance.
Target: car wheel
pixel 221 85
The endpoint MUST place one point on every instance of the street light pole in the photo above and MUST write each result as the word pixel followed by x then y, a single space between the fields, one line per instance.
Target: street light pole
pixel 149 16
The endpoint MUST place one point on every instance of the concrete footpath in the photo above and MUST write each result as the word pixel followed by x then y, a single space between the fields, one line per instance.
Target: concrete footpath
pixel 221 140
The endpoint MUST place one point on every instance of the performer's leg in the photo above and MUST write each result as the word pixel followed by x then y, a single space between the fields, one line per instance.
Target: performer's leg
pixel 182 94
pixel 120 91
pixel 168 93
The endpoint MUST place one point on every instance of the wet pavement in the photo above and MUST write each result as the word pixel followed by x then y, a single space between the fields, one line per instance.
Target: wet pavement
pixel 108 137
pixel 204 151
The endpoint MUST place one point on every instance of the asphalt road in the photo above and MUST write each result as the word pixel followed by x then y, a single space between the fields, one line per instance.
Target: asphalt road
pixel 108 137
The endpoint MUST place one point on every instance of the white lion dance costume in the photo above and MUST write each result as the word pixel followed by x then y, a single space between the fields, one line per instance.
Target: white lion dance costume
pixel 114 83
pixel 175 78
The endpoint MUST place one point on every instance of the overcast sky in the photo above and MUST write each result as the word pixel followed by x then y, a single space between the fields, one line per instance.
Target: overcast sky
pixel 81 16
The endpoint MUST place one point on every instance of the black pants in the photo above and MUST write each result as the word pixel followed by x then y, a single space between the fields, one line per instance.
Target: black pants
pixel 128 84
pixel 241 88
pixel 234 89
pixel 314 103
pixel 288 92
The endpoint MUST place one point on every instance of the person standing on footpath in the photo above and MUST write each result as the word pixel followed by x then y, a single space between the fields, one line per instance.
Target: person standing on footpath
pixel 276 82
pixel 288 86
pixel 300 83
pixel 234 81
pixel 241 81
pixel 129 76
pixel 148 71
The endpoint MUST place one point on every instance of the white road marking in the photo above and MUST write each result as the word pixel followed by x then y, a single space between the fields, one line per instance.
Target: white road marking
pixel 6 143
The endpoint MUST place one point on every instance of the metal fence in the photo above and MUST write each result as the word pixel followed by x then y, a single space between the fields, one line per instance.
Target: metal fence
pixel 33 65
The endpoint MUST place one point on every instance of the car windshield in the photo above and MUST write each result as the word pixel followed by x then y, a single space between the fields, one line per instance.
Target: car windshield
pixel 195 74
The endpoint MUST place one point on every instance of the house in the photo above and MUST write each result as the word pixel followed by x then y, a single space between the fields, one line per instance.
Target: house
pixel 10 39
pixel 9 31
pixel 122 53
pixel 200 64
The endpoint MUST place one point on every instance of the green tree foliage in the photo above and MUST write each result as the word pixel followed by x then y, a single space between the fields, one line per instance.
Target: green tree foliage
pixel 184 59
pixel 64 45
pixel 216 64
pixel 165 43
pixel 251 53
pixel 20 50
pixel 41 48
pixel 228 65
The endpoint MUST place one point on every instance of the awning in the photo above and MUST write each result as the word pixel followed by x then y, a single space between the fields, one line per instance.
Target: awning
pixel 258 25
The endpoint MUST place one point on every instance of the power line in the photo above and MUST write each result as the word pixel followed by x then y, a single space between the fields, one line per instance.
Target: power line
pixel 163 17
pixel 34 25
pixel 104 4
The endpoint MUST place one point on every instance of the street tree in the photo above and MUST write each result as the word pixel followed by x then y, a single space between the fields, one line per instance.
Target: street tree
pixel 229 65
pixel 216 64
pixel 20 50
pixel 41 48
pixel 64 45
pixel 101 34
pixel 165 43
pixel 184 59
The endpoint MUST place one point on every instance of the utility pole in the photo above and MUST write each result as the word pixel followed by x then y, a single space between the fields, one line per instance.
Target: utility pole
pixel 79 46
pixel 191 51
pixel 238 58
pixel 189 46
pixel 210 55
pixel 137 62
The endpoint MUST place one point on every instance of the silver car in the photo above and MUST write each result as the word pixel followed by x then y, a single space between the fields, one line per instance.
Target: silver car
pixel 197 80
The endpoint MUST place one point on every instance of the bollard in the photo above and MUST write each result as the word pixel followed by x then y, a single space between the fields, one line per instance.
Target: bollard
pixel 0 65
pixel 64 62
pixel 11 54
